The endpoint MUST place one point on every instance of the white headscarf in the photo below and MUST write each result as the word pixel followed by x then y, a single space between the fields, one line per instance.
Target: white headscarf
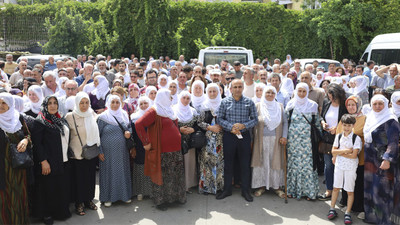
pixel 375 119
pixel 92 130
pixel 197 101
pixel 212 104
pixel 175 96
pixel 395 108
pixel 319 81
pixel 135 116
pixel 258 85
pixel 148 90
pixel 163 76
pixel 302 105
pixel 19 103
pixel 70 103
pixel 109 114
pixel 102 88
pixel 34 106
pixel 270 110
pixel 184 113
pixel 361 84
pixel 61 92
pixel 9 120
pixel 163 104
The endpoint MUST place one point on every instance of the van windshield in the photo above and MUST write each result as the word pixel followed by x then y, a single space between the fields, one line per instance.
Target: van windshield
pixel 216 58
pixel 385 56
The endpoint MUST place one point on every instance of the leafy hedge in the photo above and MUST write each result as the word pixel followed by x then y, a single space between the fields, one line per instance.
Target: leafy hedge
pixel 341 28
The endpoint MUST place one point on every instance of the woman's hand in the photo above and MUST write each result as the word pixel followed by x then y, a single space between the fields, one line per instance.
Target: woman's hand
pixel 324 125
pixel 385 165
pixel 98 111
pixel 45 167
pixel 147 147
pixel 283 141
pixel 101 157
pixel 215 128
pixel 133 152
pixel 21 147
pixel 127 134
pixel 334 160
pixel 332 130
pixel 189 130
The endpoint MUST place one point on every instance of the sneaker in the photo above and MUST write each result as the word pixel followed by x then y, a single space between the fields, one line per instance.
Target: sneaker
pixel 332 214
pixel 129 201
pixel 107 204
pixel 139 197
pixel 361 216
pixel 347 219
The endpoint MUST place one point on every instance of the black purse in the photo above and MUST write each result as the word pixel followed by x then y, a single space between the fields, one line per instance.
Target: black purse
pixel 198 139
pixel 130 143
pixel 184 146
pixel 88 152
pixel 20 160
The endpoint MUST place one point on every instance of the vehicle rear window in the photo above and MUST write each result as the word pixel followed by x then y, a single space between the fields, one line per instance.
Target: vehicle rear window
pixel 324 64
pixel 216 58
pixel 385 56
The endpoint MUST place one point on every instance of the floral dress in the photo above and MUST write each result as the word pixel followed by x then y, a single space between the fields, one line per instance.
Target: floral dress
pixel 302 180
pixel 211 157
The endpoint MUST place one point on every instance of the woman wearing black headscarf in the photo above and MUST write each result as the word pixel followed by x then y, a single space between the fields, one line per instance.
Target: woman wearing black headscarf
pixel 51 139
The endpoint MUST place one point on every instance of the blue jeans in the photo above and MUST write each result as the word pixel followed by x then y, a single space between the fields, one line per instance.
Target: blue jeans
pixel 329 169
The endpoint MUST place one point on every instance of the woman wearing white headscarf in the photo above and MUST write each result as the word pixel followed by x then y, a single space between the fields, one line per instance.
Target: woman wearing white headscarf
pixel 302 176
pixel 395 100
pixel 360 88
pixel 381 157
pixel 82 122
pixel 115 179
pixel 187 118
pixel 211 157
pixel 163 81
pixel 99 95
pixel 13 189
pixel 269 137
pixel 141 184
pixel 35 96
pixel 258 91
pixel 162 142
pixel 198 96
pixel 173 87
pixel 151 93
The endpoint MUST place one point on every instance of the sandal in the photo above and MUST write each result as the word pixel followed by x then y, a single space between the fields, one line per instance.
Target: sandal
pixel 280 193
pixel 259 192
pixel 90 205
pixel 332 214
pixel 79 209
pixel 347 219
pixel 324 197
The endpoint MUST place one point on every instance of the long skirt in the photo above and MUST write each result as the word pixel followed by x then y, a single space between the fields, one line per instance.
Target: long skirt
pixel 83 180
pixel 141 184
pixel 14 199
pixel 53 195
pixel 190 168
pixel 265 176
pixel 173 175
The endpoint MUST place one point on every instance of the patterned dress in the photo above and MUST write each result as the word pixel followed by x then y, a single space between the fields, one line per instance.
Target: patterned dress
pixel 211 157
pixel 381 187
pixel 302 180
pixel 114 176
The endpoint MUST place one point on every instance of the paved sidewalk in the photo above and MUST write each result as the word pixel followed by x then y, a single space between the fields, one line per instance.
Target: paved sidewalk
pixel 202 210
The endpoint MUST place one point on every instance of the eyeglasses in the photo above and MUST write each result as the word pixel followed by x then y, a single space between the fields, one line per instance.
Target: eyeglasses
pixel 152 77
pixel 230 78
pixel 71 89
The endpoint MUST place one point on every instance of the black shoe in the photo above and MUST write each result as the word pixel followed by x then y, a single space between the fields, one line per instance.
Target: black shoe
pixel 162 207
pixel 223 195
pixel 246 195
pixel 48 220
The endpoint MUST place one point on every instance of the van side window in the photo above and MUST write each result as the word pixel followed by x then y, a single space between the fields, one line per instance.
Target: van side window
pixel 365 57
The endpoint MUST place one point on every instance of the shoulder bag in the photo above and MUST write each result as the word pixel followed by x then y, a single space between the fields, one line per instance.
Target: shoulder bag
pixel 130 143
pixel 20 160
pixel 88 152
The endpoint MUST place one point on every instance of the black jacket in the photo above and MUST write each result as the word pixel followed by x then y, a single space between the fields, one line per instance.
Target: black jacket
pixel 326 136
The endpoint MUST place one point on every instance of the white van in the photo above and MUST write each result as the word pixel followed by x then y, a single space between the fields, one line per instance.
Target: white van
pixel 384 49
pixel 214 55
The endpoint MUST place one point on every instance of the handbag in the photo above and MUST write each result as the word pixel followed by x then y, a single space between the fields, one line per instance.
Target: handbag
pixel 184 146
pixel 198 139
pixel 316 135
pixel 20 160
pixel 130 143
pixel 88 152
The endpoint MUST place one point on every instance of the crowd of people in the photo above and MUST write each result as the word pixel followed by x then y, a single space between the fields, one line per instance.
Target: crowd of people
pixel 162 128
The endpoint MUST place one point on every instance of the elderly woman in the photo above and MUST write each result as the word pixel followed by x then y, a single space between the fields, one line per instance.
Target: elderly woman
pixel 381 172
pixel 187 119
pixel 353 106
pixel 114 176
pixel 50 141
pixel 121 93
pixel 258 92
pixel 84 131
pixel 164 160
pixel 359 87
pixel 395 100
pixel 198 96
pixel 133 96
pixel 99 95
pixel 332 110
pixel 35 99
pixel 211 157
pixel 13 187
pixel 163 81
pixel 269 136
pixel 173 87
pixel 302 176
pixel 141 184
pixel 151 93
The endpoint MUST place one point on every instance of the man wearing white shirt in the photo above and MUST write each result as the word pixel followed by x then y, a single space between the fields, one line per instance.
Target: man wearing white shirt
pixel 71 89
pixel 248 77
pixel 50 86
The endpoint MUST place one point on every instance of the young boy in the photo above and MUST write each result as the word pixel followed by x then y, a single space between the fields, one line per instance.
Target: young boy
pixel 345 157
